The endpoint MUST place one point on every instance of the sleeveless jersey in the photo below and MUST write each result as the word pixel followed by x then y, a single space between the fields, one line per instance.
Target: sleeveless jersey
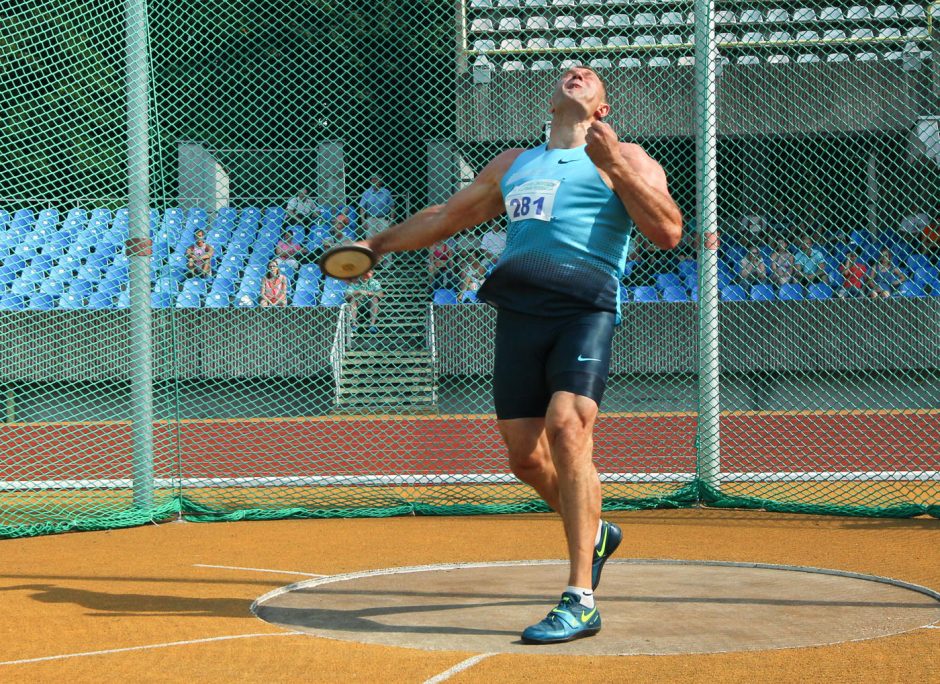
pixel 568 237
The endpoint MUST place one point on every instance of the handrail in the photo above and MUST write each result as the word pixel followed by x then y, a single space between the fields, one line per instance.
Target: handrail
pixel 432 347
pixel 338 350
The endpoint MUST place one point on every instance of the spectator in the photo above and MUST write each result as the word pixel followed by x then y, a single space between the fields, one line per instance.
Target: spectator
pixel 493 243
pixel 199 257
pixel 376 205
pixel 473 276
pixel 753 227
pixel 289 251
pixel 441 267
pixel 302 209
pixel 782 264
pixel 274 286
pixel 912 227
pixel 339 232
pixel 366 287
pixel 811 264
pixel 886 278
pixel 855 275
pixel 752 269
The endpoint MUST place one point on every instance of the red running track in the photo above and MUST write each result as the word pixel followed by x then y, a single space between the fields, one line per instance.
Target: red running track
pixel 663 443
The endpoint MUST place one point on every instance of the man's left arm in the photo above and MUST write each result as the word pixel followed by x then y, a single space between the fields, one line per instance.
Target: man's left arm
pixel 639 182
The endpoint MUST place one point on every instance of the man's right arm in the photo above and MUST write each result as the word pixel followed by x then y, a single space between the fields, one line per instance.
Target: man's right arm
pixel 479 202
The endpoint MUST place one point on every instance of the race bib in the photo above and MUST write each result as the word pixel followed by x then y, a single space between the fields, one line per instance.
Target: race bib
pixel 532 200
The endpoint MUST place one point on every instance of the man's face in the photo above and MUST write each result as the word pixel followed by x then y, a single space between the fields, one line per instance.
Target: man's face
pixel 200 236
pixel 302 194
pixel 376 182
pixel 807 245
pixel 581 85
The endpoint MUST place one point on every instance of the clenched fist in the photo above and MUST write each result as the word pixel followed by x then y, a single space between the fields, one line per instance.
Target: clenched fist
pixel 602 147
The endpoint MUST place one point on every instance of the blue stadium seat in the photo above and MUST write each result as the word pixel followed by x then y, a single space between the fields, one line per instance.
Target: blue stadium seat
pixel 47 219
pixel 12 302
pixel 188 300
pixel 910 288
pixel 693 293
pixel 733 293
pixel 819 291
pixel 688 268
pixel 791 292
pixel 110 287
pixel 101 300
pixel 34 273
pixel 81 288
pixel 645 293
pixel 23 287
pixel 71 301
pixel 305 298
pixel 923 275
pixel 916 262
pixel 4 219
pixel 762 293
pixel 89 273
pixel 222 285
pixel 166 284
pixel 56 288
pixel 124 299
pixel 22 222
pixel 445 297
pixel 99 260
pixel 217 300
pixel 332 298
pixel 246 300
pixel 40 301
pixel 470 297
pixel 196 286
pixel 162 300
pixel 664 280
pixel 674 294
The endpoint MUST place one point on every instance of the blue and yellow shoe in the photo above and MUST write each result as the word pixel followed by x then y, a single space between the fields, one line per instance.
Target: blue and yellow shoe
pixel 611 536
pixel 567 621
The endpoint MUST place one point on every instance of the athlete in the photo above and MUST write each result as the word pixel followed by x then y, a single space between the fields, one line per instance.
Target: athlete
pixel 572 205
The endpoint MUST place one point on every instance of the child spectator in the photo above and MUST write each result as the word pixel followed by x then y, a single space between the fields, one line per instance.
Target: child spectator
pixel 199 257
pixel 782 264
pixel 811 264
pixel 855 274
pixel 885 276
pixel 752 269
pixel 366 287
pixel 274 286
pixel 289 251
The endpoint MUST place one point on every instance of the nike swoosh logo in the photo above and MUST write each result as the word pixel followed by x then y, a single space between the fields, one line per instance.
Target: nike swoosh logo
pixel 600 551
pixel 587 616
pixel 586 358
pixel 566 161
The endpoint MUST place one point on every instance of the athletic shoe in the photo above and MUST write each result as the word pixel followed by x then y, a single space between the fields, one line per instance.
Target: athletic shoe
pixel 567 621
pixel 611 536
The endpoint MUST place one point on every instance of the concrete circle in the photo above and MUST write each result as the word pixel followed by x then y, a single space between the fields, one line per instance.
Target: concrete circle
pixel 648 607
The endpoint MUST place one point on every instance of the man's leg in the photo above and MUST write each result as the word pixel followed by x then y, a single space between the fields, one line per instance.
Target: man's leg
pixel 529 457
pixel 569 428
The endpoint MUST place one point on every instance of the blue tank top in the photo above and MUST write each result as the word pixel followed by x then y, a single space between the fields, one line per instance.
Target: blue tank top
pixel 568 237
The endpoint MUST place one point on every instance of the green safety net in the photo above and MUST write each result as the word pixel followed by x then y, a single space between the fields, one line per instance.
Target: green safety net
pixel 785 356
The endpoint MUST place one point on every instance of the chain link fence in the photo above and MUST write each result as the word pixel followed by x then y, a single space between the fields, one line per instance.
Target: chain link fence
pixel 785 356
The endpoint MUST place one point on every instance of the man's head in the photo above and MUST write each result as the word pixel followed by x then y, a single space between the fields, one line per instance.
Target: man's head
pixel 807 245
pixel 781 245
pixel 302 194
pixel 200 236
pixel 886 254
pixel 581 89
pixel 376 182
pixel 754 252
pixel 287 236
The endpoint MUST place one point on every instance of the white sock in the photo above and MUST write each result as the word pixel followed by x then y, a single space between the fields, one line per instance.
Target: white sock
pixel 585 596
pixel 597 537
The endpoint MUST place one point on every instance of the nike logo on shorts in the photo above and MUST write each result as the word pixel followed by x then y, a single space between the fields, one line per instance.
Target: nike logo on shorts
pixel 586 358
pixel 566 161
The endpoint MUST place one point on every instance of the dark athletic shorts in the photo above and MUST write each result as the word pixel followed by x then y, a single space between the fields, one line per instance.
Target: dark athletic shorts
pixel 537 356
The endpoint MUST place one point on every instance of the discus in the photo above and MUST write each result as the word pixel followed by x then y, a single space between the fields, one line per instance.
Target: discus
pixel 347 261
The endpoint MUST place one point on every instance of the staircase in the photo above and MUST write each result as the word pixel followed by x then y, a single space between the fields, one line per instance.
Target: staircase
pixel 393 368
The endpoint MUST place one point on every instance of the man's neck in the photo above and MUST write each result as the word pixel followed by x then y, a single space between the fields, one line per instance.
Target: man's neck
pixel 568 132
